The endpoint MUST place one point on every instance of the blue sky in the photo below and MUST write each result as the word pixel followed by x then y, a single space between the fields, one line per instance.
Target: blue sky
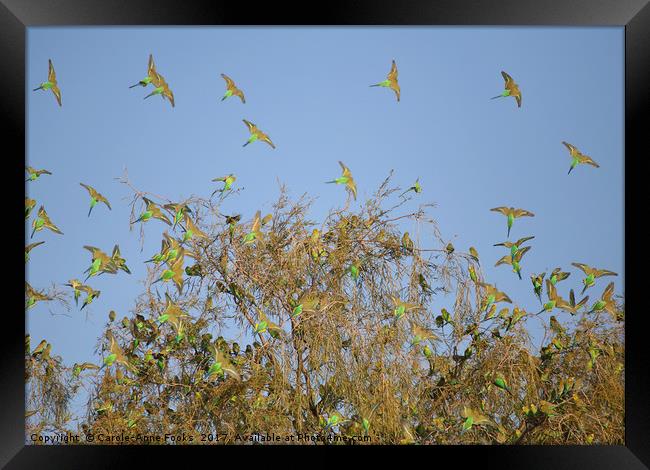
pixel 308 89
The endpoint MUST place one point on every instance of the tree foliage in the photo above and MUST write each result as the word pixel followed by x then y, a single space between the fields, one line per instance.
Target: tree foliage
pixel 335 327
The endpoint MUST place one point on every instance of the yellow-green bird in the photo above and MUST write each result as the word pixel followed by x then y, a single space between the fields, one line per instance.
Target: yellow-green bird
pixel 472 273
pixel 553 298
pixel 606 302
pixel 558 275
pixel 514 261
pixel 178 209
pixel 231 89
pixel 265 325
pixel 116 353
pixel 501 383
pixel 34 296
pixel 571 306
pixel 151 74
pixel 95 197
pixel 492 295
pixel 34 174
pixel 29 248
pixel 51 83
pixel 162 255
pixel 161 88
pixel 391 80
pixel 172 314
pixel 77 287
pixel 152 210
pixel 592 274
pixel 511 89
pixel 101 263
pixel 194 270
pixel 256 134
pixel 191 230
pixel 255 232
pixel 578 157
pixel 401 307
pixel 77 369
pixel 474 255
pixel 29 206
pixel 514 246
pixel 346 179
pixel 538 285
pixel 91 294
pixel 421 334
pixel 227 180
pixel 473 418
pixel 120 263
pixel 39 348
pixel 175 271
pixel 43 221
pixel 416 188
pixel 221 365
pixel 511 213
pixel 450 248
pixel 407 243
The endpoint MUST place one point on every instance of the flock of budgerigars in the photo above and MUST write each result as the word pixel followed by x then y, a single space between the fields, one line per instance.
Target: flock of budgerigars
pixel 174 250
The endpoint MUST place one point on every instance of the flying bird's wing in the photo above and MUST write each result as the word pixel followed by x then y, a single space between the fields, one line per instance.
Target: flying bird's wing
pixel 346 170
pixel 572 148
pixel 504 210
pixel 523 213
pixel 392 75
pixel 507 78
pixel 229 83
pixel 51 74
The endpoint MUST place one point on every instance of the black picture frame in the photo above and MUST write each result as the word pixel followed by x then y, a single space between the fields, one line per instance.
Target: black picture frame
pixel 17 15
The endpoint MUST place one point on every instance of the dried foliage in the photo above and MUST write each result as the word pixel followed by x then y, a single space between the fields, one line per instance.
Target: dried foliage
pixel 335 328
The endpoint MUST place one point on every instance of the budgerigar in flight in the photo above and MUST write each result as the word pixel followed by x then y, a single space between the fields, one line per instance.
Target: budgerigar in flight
pixel 227 183
pixel 95 197
pixel 391 81
pixel 231 89
pixel 514 246
pixel 346 179
pixel 514 260
pixel 51 83
pixel 578 157
pixel 34 174
pixel 592 274
pixel 151 74
pixel 256 134
pixel 511 89
pixel 43 221
pixel 511 213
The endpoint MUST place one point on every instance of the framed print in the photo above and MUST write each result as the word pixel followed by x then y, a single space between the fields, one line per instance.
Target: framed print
pixel 372 226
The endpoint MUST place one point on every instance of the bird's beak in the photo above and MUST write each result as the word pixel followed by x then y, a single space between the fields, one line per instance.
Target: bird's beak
pixel 495 97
